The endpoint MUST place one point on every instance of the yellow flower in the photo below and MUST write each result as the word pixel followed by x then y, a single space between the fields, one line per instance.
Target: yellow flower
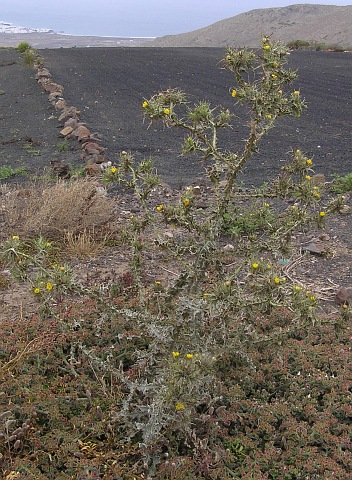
pixel 157 282
pixel 266 47
pixel 176 354
pixel 255 266
pixel 296 92
pixel 268 266
pixel 179 406
pixel 36 290
pixel 274 76
pixel 49 286
pixel 62 268
pixel 322 214
pixel 316 195
pixel 298 288
pixel 113 169
pixel 160 208
pixel 145 104
pixel 48 244
pixel 266 205
pixel 312 298
pixel 186 202
pixel 308 177
pixel 166 111
pixel 268 116
pixel 189 356
pixel 15 237
pixel 277 280
pixel 309 161
pixel 234 93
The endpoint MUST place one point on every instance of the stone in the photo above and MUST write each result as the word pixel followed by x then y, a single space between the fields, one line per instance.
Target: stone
pixel 69 112
pixel 229 247
pixel 43 72
pixel 51 87
pixel 60 104
pixel 72 122
pixel 344 295
pixel 93 169
pixel 315 248
pixel 92 148
pixel 66 131
pixel 81 132
pixel 345 209
pixel 61 169
pixel 54 96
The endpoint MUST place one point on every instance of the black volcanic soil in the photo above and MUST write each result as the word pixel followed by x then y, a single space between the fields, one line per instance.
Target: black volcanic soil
pixel 108 86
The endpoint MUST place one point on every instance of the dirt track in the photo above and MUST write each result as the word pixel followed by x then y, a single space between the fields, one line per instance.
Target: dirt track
pixel 108 86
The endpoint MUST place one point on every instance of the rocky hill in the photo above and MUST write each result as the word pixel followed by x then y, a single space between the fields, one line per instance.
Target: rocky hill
pixel 328 24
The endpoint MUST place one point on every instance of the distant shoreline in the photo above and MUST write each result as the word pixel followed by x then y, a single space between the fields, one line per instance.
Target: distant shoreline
pixel 41 40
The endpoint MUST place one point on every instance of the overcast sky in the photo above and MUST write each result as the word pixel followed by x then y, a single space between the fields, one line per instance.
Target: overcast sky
pixel 135 18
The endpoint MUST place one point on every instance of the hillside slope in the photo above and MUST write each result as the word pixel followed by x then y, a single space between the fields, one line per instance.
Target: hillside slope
pixel 327 24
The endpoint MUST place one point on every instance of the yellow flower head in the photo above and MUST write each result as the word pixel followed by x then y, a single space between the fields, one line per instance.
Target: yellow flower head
pixel 298 288
pixel 268 116
pixel 266 47
pixel 277 280
pixel 113 169
pixel 296 92
pixel 157 282
pixel 185 202
pixel 189 355
pixel 166 111
pixel 308 177
pixel 36 290
pixel 312 298
pixel 145 104
pixel 274 76
pixel 49 286
pixel 62 268
pixel 179 406
pixel 160 208
pixel 48 244
pixel 309 161
pixel 322 214
pixel 175 354
pixel 234 93
pixel 255 266
pixel 266 205
pixel 15 237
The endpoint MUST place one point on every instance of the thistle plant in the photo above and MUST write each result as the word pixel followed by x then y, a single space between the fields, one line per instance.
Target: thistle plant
pixel 204 323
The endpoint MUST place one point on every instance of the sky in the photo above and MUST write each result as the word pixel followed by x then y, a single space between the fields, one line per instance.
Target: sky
pixel 130 18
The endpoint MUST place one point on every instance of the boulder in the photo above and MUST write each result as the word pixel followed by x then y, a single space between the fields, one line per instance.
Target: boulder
pixel 344 295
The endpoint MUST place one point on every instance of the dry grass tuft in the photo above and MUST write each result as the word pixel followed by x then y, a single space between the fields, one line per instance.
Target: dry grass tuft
pixel 84 244
pixel 76 206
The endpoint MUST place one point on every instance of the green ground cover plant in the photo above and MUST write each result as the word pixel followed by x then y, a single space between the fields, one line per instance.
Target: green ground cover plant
pixel 224 368
pixel 342 183
pixel 7 172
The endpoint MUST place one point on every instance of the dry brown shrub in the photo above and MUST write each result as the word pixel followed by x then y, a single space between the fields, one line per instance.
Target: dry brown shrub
pixel 52 211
